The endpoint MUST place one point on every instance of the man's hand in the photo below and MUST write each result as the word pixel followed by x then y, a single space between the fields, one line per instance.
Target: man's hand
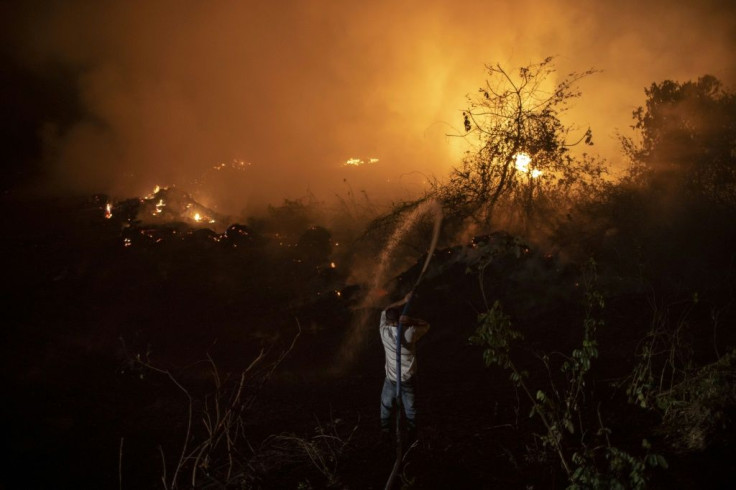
pixel 402 301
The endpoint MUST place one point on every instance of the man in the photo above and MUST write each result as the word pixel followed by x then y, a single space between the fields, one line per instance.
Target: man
pixel 413 329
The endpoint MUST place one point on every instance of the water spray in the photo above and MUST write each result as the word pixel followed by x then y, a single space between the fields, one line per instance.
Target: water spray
pixel 359 327
pixel 399 335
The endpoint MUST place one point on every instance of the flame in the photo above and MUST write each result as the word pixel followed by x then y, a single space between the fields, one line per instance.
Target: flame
pixel 197 217
pixel 153 194
pixel 522 163
pixel 159 207
pixel 108 210
pixel 355 162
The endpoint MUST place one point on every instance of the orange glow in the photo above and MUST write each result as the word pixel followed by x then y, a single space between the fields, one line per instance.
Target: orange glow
pixel 159 207
pixel 152 195
pixel 523 162
pixel 108 210
pixel 151 112
pixel 356 162
pixel 236 164
pixel 197 217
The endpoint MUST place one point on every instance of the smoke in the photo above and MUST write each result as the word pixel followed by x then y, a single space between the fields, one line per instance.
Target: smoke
pixel 376 296
pixel 246 103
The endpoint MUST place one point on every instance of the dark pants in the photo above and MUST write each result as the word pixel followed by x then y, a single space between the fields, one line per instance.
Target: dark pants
pixel 388 399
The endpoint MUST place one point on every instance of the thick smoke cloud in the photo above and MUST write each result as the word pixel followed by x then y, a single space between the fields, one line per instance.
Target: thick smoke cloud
pixel 278 95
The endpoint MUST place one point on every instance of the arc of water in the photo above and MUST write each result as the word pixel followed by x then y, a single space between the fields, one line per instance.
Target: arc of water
pixel 399 336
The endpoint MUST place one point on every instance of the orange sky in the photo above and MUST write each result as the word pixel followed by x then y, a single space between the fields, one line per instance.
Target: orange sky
pixel 171 89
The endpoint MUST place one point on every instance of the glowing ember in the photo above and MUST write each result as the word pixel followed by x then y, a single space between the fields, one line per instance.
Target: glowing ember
pixel 108 210
pixel 197 217
pixel 159 207
pixel 156 190
pixel 355 162
pixel 236 163
pixel 332 265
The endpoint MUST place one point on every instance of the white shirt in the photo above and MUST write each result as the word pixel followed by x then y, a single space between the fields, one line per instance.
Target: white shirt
pixel 412 331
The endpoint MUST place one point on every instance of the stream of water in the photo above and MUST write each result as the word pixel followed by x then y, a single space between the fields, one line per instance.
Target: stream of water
pixel 376 296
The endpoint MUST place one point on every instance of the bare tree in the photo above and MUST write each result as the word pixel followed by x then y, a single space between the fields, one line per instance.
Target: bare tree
pixel 521 160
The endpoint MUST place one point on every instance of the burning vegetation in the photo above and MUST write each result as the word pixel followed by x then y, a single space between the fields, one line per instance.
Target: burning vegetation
pixel 600 308
pixel 357 162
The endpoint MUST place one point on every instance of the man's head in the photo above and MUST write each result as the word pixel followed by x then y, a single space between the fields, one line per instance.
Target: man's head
pixel 392 315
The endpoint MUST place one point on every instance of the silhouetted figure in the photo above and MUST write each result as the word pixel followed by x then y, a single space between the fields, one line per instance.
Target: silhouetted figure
pixel 412 329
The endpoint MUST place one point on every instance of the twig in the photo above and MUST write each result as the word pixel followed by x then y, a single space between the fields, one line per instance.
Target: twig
pixel 163 464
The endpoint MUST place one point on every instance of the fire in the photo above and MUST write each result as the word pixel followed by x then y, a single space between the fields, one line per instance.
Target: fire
pixel 153 194
pixel 159 207
pixel 332 265
pixel 197 217
pixel 236 163
pixel 522 164
pixel 355 162
pixel 108 210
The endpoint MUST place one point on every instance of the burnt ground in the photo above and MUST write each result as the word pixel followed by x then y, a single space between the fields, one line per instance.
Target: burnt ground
pixel 80 412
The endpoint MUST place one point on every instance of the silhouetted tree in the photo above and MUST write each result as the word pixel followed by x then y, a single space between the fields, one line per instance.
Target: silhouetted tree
pixel 522 161
pixel 686 141
pixel 671 220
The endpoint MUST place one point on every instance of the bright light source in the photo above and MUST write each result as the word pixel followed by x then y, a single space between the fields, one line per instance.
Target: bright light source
pixel 522 162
